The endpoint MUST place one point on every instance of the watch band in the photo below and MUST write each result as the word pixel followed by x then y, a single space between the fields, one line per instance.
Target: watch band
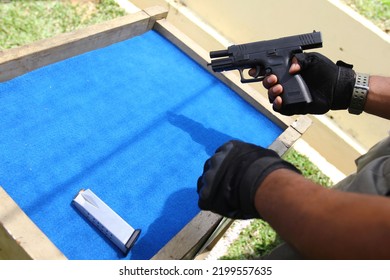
pixel 359 94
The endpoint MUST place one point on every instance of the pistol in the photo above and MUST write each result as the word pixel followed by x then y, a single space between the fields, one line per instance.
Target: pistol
pixel 270 57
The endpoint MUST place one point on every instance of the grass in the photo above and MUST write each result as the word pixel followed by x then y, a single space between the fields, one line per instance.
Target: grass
pixel 308 169
pixel 253 242
pixel 378 11
pixel 23 22
pixel 259 238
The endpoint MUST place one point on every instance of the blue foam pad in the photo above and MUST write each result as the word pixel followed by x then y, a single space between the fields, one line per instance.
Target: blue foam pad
pixel 134 122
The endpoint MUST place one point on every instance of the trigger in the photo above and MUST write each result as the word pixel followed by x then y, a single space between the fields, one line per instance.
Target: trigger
pixel 258 69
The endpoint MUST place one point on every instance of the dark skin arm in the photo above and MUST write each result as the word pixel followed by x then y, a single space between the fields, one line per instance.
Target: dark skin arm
pixel 322 223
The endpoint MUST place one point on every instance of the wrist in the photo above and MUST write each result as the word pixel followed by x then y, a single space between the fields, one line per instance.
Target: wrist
pixel 359 94
pixel 255 175
pixel 277 186
pixel 344 88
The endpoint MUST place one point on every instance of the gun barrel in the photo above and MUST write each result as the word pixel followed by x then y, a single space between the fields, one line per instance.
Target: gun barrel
pixel 221 53
pixel 222 64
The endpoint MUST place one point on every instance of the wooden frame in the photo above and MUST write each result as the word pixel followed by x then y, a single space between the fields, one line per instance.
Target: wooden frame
pixel 19 235
pixel 24 59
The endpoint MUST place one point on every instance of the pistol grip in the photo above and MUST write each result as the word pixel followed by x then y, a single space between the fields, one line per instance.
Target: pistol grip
pixel 295 90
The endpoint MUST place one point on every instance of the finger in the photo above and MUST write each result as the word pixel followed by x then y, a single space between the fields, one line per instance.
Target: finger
pixel 277 104
pixel 274 92
pixel 252 72
pixel 256 72
pixel 295 67
pixel 270 81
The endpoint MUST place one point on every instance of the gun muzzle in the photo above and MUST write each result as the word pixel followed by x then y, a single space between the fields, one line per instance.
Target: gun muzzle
pixel 216 54
pixel 222 64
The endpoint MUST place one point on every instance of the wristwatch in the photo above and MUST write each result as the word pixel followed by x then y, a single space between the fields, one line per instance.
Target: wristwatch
pixel 359 94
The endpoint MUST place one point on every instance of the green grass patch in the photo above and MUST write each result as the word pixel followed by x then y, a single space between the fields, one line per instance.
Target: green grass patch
pixel 308 169
pixel 254 241
pixel 258 239
pixel 23 22
pixel 377 11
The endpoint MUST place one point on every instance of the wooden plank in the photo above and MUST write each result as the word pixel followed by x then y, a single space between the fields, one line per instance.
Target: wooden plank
pixel 291 135
pixel 156 13
pixel 191 238
pixel 20 238
pixel 9 247
pixel 17 61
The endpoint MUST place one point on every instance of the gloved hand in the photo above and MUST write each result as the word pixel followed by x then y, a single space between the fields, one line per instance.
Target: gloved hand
pixel 331 85
pixel 232 175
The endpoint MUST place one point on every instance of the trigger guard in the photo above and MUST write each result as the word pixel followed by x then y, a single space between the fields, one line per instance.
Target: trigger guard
pixel 257 78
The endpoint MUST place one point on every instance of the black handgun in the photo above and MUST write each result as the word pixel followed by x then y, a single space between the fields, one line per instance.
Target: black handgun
pixel 270 57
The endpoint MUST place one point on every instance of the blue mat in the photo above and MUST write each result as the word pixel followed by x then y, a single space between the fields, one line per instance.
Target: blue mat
pixel 134 122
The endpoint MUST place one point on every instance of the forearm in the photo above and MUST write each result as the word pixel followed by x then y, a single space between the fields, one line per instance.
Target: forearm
pixel 378 97
pixel 325 224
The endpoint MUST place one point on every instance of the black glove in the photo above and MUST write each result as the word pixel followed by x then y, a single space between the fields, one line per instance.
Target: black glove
pixel 232 175
pixel 331 85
